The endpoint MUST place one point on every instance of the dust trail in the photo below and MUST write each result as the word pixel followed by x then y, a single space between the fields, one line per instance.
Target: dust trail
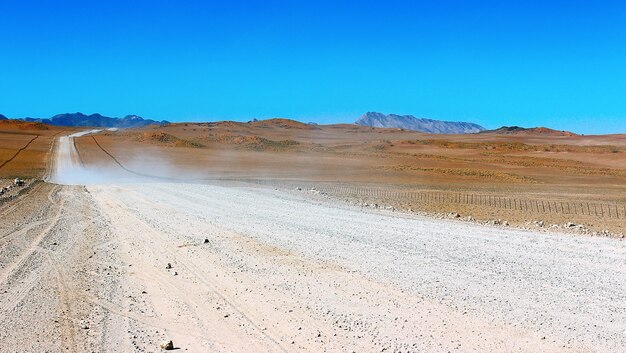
pixel 68 168
pixel 144 166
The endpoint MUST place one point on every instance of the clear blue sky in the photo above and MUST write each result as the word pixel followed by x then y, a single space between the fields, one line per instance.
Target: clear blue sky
pixel 560 64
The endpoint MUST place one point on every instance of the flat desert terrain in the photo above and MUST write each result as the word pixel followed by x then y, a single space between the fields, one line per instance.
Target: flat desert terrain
pixel 25 148
pixel 231 237
pixel 523 179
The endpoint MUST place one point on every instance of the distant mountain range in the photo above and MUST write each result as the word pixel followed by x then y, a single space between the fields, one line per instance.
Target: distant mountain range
pixel 372 119
pixel 409 122
pixel 96 120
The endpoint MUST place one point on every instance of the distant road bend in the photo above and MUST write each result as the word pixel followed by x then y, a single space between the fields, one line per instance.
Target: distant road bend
pixel 106 265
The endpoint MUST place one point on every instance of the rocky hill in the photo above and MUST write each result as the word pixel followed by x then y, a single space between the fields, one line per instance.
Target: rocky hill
pixel 2 117
pixel 535 131
pixel 409 122
pixel 96 120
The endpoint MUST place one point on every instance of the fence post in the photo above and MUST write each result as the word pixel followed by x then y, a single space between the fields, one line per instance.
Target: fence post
pixel 601 210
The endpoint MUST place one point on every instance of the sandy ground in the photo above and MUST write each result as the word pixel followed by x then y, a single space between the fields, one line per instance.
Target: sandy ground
pixel 25 148
pixel 583 173
pixel 260 270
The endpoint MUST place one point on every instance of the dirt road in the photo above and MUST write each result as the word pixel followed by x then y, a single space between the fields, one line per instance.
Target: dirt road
pixel 226 268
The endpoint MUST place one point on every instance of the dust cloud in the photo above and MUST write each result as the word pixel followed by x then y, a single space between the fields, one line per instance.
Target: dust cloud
pixel 147 166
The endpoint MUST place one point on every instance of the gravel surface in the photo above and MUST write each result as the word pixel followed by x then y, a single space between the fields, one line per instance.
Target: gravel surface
pixel 222 268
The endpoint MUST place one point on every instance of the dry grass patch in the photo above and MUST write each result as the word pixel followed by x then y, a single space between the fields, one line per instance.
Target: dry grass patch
pixel 467 172
pixel 517 146
pixel 254 143
pixel 167 139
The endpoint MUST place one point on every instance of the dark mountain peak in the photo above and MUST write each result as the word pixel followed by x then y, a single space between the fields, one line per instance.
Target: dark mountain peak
pixel 410 122
pixel 98 120
pixel 2 117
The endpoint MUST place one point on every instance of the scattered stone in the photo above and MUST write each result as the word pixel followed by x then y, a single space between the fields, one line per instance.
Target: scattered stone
pixel 169 265
pixel 167 345
pixel 206 241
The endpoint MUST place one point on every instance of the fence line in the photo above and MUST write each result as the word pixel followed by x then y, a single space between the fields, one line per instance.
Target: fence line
pixel 597 209
pixel 585 208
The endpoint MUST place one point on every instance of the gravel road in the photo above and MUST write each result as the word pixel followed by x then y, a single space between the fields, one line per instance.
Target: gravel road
pixel 227 268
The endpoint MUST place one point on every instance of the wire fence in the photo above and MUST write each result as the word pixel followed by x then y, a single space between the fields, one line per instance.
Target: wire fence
pixel 522 204
pixel 535 205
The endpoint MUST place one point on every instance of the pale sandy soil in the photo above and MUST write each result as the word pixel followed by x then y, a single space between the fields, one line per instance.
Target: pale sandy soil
pixel 84 269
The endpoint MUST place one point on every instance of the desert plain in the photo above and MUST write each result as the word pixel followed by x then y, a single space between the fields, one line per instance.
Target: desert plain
pixel 278 236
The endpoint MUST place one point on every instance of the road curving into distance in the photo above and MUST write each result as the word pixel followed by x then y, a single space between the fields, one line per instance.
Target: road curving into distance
pixel 122 266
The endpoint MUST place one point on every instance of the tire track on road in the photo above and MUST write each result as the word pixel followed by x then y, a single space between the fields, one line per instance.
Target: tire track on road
pixel 19 291
pixel 8 207
pixel 23 228
pixel 33 246
pixel 66 298
pixel 157 241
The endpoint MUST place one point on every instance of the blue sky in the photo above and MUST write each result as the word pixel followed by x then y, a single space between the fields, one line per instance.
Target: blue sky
pixel 560 64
